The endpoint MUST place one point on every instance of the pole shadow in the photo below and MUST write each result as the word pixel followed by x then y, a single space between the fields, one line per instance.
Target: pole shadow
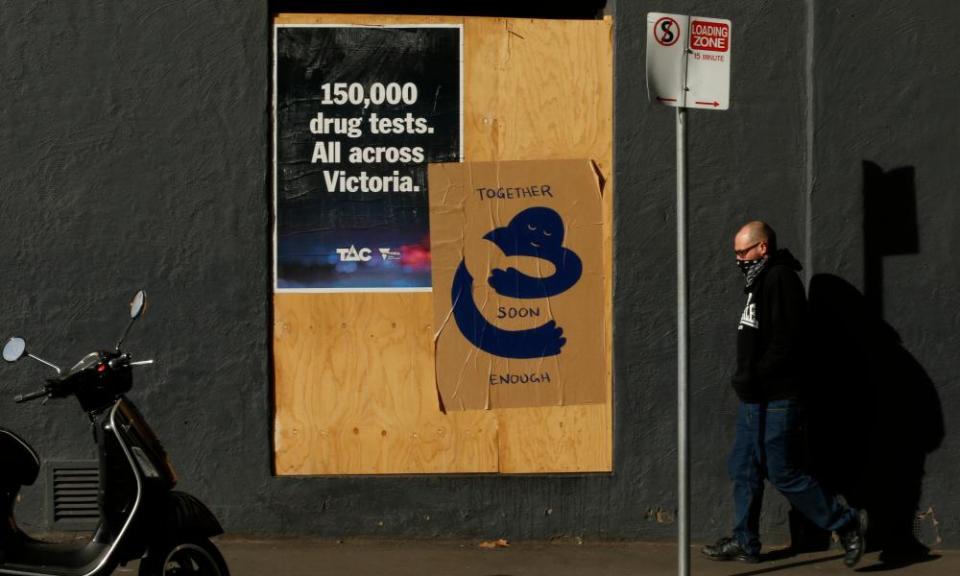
pixel 873 412
pixel 778 567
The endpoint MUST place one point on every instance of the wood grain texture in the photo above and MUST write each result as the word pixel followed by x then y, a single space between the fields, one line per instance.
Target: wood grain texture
pixel 354 376
pixel 539 89
pixel 354 373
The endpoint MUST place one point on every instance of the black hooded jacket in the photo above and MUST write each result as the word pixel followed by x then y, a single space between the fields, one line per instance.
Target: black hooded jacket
pixel 770 336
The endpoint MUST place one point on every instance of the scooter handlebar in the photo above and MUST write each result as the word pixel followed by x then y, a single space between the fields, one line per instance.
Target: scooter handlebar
pixel 19 398
pixel 123 361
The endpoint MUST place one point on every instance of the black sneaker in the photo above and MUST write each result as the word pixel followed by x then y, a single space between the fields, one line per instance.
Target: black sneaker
pixel 853 539
pixel 728 549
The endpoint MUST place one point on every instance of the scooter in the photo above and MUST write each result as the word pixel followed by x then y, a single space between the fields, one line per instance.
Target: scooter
pixel 141 516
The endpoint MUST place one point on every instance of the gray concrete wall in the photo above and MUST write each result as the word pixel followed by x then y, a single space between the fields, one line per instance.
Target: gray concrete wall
pixel 134 152
pixel 886 218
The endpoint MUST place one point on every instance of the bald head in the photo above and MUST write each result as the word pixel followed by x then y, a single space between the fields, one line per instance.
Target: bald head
pixel 755 239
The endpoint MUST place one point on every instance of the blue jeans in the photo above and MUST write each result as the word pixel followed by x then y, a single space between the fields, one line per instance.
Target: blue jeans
pixel 766 446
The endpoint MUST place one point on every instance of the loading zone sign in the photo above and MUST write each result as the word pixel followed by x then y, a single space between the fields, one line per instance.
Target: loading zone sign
pixel 688 61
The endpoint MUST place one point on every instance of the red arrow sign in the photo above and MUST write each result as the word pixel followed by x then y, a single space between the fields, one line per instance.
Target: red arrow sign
pixel 714 103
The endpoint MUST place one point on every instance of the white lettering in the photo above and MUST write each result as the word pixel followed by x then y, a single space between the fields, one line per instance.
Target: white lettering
pixel 326 153
pixel 351 254
pixel 339 181
pixel 324 125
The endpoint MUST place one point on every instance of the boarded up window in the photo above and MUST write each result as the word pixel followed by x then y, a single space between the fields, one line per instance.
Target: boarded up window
pixel 355 381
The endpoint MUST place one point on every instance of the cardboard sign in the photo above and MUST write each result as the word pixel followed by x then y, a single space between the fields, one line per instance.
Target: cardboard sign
pixel 688 61
pixel 517 283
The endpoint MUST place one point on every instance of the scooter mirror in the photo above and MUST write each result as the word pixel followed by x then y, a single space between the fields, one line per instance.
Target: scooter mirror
pixel 136 305
pixel 14 348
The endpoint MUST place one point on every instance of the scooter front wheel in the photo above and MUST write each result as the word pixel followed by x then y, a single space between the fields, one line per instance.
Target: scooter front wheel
pixel 188 557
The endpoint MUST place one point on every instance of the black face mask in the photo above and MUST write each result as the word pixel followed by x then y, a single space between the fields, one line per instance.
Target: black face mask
pixel 751 269
pixel 747 265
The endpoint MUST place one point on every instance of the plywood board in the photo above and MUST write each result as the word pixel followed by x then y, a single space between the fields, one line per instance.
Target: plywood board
pixel 354 384
pixel 354 393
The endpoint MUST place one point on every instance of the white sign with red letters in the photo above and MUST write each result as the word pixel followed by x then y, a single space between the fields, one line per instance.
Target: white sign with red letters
pixel 688 61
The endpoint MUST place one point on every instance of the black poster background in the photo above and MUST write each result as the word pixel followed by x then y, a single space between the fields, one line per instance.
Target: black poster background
pixel 314 223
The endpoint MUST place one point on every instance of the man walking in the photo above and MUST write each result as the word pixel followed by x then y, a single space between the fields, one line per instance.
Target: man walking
pixel 768 381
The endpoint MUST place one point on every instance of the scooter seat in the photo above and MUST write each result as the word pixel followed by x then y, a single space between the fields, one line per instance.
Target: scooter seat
pixel 19 464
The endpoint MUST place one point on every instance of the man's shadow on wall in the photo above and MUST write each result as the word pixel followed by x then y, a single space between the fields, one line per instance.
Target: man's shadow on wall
pixel 873 412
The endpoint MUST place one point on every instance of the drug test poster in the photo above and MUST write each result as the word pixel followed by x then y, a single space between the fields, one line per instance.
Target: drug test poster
pixel 359 112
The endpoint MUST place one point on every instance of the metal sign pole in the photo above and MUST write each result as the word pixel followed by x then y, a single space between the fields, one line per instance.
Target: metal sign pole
pixel 683 472
pixel 683 442
pixel 681 48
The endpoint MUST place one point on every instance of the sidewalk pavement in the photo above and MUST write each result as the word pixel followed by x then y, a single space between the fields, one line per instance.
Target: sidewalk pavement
pixel 257 556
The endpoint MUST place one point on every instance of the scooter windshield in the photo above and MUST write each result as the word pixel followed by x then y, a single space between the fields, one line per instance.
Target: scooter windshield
pixel 86 362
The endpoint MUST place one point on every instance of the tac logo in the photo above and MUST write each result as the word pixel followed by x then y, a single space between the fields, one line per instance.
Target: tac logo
pixel 352 254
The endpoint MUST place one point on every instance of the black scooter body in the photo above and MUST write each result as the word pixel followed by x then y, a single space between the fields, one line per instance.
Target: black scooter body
pixel 135 505
pixel 139 510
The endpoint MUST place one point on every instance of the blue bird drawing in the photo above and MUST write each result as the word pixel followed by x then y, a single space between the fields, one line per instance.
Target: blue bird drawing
pixel 536 232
